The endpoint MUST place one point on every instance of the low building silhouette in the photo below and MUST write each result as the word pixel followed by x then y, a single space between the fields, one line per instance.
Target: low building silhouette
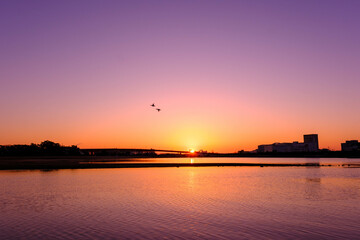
pixel 310 144
pixel 350 146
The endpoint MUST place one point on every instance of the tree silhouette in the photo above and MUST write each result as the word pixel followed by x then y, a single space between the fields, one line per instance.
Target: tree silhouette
pixel 46 148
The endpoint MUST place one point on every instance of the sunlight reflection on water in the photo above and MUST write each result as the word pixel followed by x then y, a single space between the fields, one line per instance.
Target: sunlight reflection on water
pixel 231 160
pixel 182 203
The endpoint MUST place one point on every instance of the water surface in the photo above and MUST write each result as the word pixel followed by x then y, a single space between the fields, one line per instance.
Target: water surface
pixel 259 160
pixel 181 203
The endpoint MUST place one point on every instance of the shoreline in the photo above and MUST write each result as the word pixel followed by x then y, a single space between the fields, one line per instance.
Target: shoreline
pixel 82 165
pixel 92 162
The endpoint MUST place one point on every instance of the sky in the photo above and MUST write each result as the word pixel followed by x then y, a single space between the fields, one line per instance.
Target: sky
pixel 228 75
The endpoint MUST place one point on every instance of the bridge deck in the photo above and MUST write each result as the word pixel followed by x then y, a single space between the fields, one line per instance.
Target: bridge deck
pixel 130 150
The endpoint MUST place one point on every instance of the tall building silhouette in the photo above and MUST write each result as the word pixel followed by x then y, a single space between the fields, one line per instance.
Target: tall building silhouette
pixel 310 144
pixel 313 142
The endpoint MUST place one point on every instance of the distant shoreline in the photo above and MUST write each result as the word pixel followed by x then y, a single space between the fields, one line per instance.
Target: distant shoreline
pixel 48 148
pixel 86 162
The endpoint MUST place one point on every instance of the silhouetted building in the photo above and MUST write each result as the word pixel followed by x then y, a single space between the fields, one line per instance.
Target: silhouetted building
pixel 312 141
pixel 310 144
pixel 350 146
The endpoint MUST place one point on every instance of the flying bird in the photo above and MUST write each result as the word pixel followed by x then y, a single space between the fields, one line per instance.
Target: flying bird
pixel 153 105
pixel 158 109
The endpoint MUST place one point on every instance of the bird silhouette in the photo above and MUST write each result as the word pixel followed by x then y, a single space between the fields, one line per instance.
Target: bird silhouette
pixel 153 105
pixel 158 109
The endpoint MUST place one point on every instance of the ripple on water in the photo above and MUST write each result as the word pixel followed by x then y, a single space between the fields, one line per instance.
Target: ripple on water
pixel 184 203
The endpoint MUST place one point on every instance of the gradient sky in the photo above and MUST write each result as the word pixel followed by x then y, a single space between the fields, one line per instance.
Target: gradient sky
pixel 229 75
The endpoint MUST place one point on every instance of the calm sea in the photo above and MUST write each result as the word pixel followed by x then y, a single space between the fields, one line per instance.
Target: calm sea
pixel 182 203
pixel 332 161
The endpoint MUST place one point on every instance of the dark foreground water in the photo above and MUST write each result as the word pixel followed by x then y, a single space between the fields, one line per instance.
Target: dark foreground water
pixel 181 203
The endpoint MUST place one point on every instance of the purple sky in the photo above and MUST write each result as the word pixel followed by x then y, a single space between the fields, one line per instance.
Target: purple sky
pixel 228 74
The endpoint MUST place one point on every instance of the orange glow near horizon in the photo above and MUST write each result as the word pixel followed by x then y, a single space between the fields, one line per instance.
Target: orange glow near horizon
pixel 178 127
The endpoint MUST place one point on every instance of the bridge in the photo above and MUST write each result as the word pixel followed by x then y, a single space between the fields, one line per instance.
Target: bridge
pixel 128 151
